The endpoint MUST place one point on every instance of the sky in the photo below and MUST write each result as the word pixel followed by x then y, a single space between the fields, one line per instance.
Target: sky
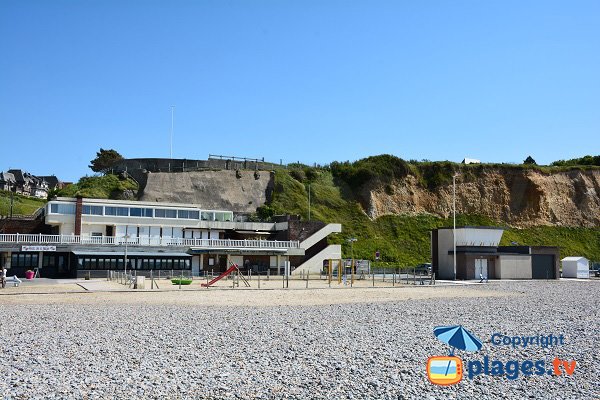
pixel 308 81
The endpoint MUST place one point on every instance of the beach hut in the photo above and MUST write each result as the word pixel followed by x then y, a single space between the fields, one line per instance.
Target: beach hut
pixel 575 267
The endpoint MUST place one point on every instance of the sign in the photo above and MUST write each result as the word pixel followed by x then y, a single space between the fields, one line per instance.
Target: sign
pixel 377 255
pixel 38 248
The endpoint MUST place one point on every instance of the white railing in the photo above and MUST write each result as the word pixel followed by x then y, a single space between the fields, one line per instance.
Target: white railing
pixel 145 241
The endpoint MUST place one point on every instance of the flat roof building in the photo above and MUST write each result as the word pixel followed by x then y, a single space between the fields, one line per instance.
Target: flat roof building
pixel 91 236
pixel 479 255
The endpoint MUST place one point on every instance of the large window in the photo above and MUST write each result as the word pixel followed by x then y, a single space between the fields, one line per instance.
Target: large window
pixel 140 212
pixel 91 210
pixel 62 208
pixel 24 260
pixel 165 213
pixel 118 211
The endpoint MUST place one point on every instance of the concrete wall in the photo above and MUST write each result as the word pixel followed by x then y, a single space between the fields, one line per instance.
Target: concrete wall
pixel 445 260
pixel 513 267
pixel 238 191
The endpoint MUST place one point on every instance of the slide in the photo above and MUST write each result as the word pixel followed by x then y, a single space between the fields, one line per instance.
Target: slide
pixel 223 275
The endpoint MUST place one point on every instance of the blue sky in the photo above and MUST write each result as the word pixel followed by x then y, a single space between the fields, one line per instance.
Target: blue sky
pixel 308 81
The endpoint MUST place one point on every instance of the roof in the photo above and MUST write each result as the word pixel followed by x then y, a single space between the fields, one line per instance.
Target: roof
pixel 469 227
pixel 574 259
pixel 7 177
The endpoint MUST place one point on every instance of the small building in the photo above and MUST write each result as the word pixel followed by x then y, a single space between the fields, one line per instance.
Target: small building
pixel 471 161
pixel 575 267
pixel 479 255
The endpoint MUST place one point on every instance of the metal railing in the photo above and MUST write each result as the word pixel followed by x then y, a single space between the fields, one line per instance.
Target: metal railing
pixel 145 241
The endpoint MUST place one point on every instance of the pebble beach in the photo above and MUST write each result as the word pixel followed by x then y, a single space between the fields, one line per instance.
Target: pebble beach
pixel 296 344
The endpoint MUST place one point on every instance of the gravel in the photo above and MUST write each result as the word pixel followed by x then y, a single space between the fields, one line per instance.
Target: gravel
pixel 351 351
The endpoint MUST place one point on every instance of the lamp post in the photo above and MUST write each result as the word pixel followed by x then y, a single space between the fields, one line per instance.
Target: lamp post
pixel 351 240
pixel 126 237
pixel 454 218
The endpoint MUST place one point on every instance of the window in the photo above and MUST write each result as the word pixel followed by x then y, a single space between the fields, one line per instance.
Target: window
pixel 147 212
pixel 62 208
pixel 135 212
pixel 207 216
pixel 118 211
pixel 91 210
pixel 194 215
pixel 183 214
pixel 165 213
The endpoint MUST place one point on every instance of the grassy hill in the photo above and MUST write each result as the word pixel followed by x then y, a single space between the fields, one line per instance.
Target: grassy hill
pixel 100 187
pixel 401 240
pixel 22 205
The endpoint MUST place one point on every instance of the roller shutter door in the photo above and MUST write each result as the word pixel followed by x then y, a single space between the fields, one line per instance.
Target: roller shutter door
pixel 542 266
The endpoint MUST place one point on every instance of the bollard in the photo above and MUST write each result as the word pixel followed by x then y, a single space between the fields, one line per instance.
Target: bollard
pixel 393 278
pixel 384 275
pixel 307 279
pixel 268 273
pixel 180 279
pixel 414 277
pixel 258 281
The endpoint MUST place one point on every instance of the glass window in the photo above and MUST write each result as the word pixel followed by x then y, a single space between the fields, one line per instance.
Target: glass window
pixel 135 212
pixel 194 215
pixel 148 212
pixel 91 210
pixel 119 211
pixel 208 216
pixel 183 214
pixel 165 213
pixel 62 208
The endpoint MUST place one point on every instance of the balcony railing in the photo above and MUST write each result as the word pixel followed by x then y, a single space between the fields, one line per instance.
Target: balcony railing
pixel 144 241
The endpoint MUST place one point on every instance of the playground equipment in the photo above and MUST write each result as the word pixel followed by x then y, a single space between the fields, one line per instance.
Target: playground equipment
pixel 232 268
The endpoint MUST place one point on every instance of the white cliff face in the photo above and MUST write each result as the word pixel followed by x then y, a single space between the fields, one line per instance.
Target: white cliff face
pixel 240 191
pixel 517 197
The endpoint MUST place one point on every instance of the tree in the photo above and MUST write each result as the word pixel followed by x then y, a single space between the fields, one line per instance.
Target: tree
pixel 529 160
pixel 105 160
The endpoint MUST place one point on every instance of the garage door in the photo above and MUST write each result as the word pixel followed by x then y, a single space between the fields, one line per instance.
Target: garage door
pixel 542 266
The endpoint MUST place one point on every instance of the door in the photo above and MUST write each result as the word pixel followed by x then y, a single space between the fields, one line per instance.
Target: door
pixel 542 266
pixel 481 268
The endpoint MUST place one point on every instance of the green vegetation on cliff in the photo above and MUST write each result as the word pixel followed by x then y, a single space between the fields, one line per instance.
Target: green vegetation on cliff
pixel 401 240
pixel 100 187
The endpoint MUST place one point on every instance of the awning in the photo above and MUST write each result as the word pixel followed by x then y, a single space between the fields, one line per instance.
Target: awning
pixel 130 253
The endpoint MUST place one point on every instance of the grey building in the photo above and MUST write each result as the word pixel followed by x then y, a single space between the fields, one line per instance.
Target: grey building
pixel 479 254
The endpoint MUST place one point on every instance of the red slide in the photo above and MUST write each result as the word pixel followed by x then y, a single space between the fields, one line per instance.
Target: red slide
pixel 223 275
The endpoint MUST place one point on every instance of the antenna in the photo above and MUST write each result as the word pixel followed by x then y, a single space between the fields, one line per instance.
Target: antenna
pixel 172 120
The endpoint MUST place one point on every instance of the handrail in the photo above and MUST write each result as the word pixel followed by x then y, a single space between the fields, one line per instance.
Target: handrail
pixel 144 241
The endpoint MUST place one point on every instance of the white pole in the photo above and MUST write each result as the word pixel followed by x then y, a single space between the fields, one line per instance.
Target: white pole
pixel 172 123
pixel 126 240
pixel 454 217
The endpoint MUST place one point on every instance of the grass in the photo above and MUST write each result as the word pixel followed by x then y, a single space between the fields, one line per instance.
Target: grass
pixel 99 187
pixel 22 205
pixel 402 240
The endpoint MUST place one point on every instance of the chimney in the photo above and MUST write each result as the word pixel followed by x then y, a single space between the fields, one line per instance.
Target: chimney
pixel 78 210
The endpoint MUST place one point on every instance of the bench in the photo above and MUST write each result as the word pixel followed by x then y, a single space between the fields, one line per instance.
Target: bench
pixel 14 280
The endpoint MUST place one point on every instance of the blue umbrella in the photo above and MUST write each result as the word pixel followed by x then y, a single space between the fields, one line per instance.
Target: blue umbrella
pixel 458 338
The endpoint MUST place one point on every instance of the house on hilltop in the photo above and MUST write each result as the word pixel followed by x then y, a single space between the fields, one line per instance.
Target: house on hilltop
pixel 7 181
pixel 24 183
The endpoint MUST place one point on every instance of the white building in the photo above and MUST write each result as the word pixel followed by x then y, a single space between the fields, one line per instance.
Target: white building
pixel 575 267
pixel 95 235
